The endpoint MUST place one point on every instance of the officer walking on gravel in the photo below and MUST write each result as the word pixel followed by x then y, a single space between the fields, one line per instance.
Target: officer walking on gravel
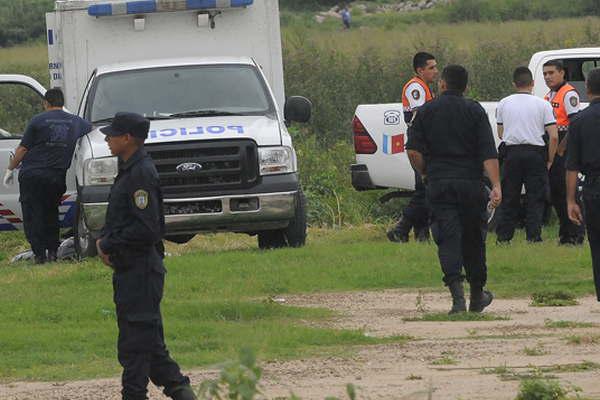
pixel 451 145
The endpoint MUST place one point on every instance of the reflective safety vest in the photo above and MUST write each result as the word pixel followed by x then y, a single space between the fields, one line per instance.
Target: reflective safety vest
pixel 405 102
pixel 558 105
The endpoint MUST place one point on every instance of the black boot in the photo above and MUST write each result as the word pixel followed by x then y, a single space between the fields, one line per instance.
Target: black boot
pixel 480 299
pixel 183 393
pixel 458 297
pixel 399 233
pixel 422 234
pixel 52 256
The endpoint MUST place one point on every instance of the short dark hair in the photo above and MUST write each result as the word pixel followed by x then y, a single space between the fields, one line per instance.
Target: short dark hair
pixel 139 142
pixel 420 60
pixel 555 63
pixel 592 83
pixel 55 97
pixel 456 77
pixel 522 77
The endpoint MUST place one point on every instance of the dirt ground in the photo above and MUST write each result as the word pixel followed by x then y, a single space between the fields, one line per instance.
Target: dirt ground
pixel 444 360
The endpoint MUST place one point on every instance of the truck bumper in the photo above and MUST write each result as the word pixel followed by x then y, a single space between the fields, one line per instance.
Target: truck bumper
pixel 361 180
pixel 238 213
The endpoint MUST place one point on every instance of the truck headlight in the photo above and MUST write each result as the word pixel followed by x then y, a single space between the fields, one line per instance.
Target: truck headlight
pixel 276 160
pixel 100 171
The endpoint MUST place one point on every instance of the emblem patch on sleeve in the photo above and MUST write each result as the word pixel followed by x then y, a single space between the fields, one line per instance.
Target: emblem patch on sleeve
pixel 140 197
pixel 573 100
pixel 415 94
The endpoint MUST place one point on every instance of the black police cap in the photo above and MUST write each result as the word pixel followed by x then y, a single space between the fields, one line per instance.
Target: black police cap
pixel 126 122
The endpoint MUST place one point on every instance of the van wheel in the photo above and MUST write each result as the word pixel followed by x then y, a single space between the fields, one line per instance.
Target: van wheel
pixel 85 243
pixel 292 236
pixel 295 233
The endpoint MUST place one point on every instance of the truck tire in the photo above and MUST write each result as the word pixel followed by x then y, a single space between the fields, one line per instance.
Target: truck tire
pixel 292 236
pixel 85 242
pixel 295 233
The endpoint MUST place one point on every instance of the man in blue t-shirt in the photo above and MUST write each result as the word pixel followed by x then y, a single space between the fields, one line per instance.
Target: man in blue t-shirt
pixel 44 155
pixel 346 17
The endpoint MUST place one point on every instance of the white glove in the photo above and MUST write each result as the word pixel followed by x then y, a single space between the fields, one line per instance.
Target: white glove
pixel 9 178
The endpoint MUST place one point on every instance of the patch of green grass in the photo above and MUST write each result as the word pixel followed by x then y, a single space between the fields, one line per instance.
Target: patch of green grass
pixel 445 359
pixel 535 351
pixel 557 298
pixel 583 339
pixel 567 324
pixel 570 368
pixel 466 316
pixel 413 377
pixel 60 317
pixel 541 389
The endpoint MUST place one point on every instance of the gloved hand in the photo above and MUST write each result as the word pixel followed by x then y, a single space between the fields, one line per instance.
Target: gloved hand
pixel 9 178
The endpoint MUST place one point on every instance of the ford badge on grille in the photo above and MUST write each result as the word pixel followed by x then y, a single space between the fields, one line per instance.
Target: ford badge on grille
pixel 189 168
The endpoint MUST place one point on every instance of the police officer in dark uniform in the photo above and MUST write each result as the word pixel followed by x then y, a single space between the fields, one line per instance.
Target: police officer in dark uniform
pixel 131 243
pixel 583 156
pixel 45 154
pixel 451 144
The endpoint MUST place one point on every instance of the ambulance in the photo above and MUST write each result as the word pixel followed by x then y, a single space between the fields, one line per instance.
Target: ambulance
pixel 209 76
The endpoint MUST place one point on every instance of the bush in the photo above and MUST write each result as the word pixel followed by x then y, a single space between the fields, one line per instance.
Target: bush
pixel 23 20
pixel 541 389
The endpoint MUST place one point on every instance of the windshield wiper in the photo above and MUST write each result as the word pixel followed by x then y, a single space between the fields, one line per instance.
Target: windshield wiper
pixel 155 117
pixel 203 113
pixel 103 120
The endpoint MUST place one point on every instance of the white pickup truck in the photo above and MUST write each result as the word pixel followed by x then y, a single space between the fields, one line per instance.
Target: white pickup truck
pixel 209 76
pixel 380 131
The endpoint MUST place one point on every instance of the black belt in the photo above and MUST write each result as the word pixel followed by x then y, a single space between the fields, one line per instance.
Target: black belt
pixel 526 147
pixel 591 180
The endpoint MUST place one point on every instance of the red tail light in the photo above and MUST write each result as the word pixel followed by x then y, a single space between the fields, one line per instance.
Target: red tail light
pixel 363 142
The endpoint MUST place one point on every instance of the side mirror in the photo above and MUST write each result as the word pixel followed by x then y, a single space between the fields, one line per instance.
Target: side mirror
pixel 297 109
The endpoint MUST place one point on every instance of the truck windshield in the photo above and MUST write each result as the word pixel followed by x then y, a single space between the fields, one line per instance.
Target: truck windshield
pixel 179 92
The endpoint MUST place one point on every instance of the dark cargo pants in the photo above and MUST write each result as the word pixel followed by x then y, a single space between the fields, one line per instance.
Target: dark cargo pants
pixel 138 288
pixel 459 228
pixel 40 195
pixel 523 165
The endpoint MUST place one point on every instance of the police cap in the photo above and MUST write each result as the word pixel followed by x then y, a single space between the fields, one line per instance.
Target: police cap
pixel 126 122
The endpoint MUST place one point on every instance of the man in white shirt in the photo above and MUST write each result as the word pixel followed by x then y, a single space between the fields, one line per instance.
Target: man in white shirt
pixel 522 121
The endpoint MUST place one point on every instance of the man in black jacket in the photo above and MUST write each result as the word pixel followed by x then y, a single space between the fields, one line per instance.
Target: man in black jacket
pixel 131 244
pixel 451 144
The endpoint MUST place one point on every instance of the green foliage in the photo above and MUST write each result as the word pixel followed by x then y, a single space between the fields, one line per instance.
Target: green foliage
pixel 541 389
pixel 23 20
pixel 465 316
pixel 567 324
pixel 240 380
pixel 558 298
pixel 237 381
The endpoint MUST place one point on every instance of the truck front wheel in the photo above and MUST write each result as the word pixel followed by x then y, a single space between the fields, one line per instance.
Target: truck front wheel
pixel 85 243
pixel 295 233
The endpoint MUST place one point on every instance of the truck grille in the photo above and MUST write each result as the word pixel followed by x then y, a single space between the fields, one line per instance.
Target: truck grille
pixel 224 165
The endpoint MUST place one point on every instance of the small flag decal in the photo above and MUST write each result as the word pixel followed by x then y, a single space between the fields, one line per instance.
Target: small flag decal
pixel 393 144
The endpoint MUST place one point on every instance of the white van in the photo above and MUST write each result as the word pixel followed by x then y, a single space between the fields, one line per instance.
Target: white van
pixel 209 76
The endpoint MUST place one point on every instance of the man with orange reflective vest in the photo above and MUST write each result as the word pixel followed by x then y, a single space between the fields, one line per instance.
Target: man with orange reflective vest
pixel 415 93
pixel 565 102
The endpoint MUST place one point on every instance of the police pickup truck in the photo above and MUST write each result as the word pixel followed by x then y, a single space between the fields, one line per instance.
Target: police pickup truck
pixel 209 76
pixel 380 131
